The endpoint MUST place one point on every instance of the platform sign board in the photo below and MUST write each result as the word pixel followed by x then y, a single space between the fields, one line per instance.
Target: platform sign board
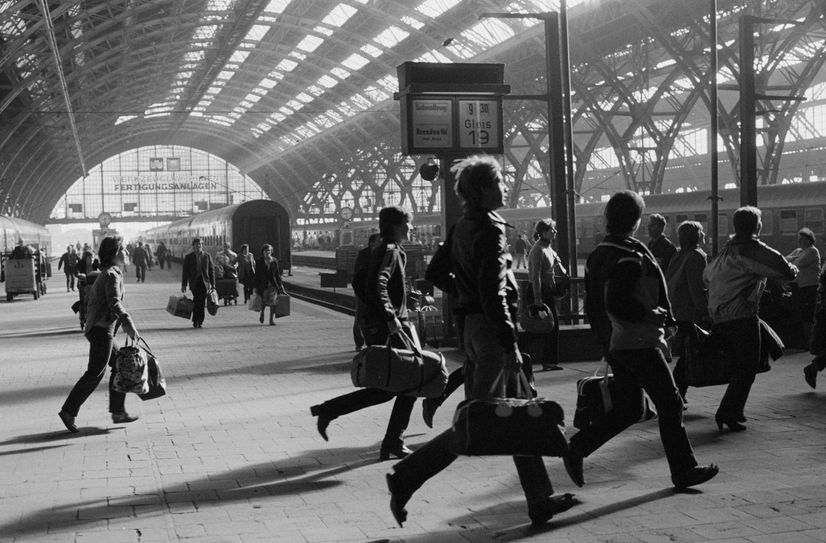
pixel 480 125
pixel 431 123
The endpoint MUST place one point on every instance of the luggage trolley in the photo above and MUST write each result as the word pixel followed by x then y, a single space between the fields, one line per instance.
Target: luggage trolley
pixel 24 275
pixel 226 284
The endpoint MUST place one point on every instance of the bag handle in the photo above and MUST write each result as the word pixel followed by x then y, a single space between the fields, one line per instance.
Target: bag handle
pixel 522 384
pixel 407 340
pixel 145 346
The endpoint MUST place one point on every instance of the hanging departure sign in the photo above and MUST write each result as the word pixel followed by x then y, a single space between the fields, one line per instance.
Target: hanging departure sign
pixel 451 107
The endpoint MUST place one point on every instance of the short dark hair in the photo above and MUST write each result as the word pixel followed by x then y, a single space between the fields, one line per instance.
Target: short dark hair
pixel 657 218
pixel 623 211
pixel 746 219
pixel 542 226
pixel 689 234
pixel 196 240
pixel 108 250
pixel 373 237
pixel 473 175
pixel 807 233
pixel 265 247
pixel 390 217
pixel 244 246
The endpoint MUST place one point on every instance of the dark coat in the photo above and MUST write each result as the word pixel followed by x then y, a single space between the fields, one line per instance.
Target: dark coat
pixel 267 275
pixel 386 293
pixel 191 268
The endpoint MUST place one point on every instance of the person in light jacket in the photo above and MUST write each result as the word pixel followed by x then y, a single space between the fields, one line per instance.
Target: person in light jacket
pixel 546 274
pixel 104 311
pixel 736 279
pixel 804 288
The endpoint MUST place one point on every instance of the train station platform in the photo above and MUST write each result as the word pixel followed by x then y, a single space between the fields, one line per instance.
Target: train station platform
pixel 231 454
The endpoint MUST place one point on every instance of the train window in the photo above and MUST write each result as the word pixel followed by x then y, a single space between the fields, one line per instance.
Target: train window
pixel 722 225
pixel 813 218
pixel 788 221
pixel 680 220
pixel 702 218
pixel 768 222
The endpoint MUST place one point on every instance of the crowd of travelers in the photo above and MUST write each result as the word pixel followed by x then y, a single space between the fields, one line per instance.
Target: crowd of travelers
pixel 645 303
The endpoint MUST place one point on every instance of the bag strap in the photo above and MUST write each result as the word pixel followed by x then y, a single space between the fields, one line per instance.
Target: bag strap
pixel 522 384
pixel 604 390
pixel 145 346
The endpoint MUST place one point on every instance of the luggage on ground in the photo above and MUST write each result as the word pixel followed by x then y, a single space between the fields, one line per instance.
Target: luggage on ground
pixel 411 371
pixel 509 426
pixel 180 306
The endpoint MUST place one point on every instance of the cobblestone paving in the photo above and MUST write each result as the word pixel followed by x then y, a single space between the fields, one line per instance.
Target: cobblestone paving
pixel 232 455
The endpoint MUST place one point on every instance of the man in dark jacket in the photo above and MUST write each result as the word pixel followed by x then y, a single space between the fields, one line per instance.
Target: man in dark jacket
pixel 199 274
pixel 627 305
pixel 141 261
pixel 69 261
pixel 360 269
pixel 487 298
pixel 383 316
pixel 659 245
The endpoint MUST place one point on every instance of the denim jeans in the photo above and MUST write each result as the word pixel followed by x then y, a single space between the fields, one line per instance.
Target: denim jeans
pixel 102 349
pixel 366 397
pixel 636 370
pixel 485 359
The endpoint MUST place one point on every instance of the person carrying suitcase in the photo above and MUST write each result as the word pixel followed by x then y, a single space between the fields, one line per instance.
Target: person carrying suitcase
pixel 383 316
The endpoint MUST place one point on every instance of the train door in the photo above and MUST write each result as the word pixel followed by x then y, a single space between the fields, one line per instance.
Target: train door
pixel 256 231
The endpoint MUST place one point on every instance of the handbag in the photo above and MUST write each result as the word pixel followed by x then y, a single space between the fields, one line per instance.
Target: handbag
pixel 596 397
pixel 509 426
pixel 707 362
pixel 409 371
pixel 255 303
pixel 270 296
pixel 542 322
pixel 155 378
pixel 131 373
pixel 180 306
pixel 212 302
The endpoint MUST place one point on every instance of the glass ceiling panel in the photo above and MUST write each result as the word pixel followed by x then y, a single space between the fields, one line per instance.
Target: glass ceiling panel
pixel 339 15
pixel 355 62
pixel 391 36
pixel 434 8
pixel 488 32
pixel 277 6
pixel 310 43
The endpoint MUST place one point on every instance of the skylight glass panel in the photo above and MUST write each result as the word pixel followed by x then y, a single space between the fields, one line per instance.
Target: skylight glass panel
pixel 355 62
pixel 433 56
pixel 489 32
pixel 298 55
pixel 412 22
pixel 193 57
pixel 360 101
pixel 327 82
pixel 323 30
pixel 304 97
pixel 371 50
pixel 268 83
pixel 391 36
pixel 206 32
pixel 389 82
pixel 238 57
pixel 339 15
pixel 333 114
pixel 286 65
pixel 315 90
pixel 220 119
pixel 277 6
pixel 124 118
pixel 310 43
pixel 295 105
pixel 375 94
pixel 340 73
pixel 462 49
pixel 225 75
pixel 219 5
pixel 257 33
pixel 434 8
pixel 263 127
pixel 346 108
pixel 285 110
pixel 323 121
pixel 252 97
pixel 213 90
pixel 278 117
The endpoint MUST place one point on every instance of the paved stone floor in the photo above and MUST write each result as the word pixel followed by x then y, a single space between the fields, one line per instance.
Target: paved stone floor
pixel 232 455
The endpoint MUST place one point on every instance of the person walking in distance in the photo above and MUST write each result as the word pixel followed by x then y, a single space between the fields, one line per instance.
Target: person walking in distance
pixel 104 311
pixel 140 259
pixel 659 245
pixel 267 276
pixel 69 262
pixel 246 271
pixel 687 293
pixel 359 275
pixel 487 298
pixel 384 316
pixel 160 253
pixel 736 279
pixel 548 279
pixel 627 306
pixel 521 252
pixel 804 288
pixel 199 275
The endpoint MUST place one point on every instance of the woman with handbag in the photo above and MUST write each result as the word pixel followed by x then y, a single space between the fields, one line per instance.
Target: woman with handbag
pixel 246 271
pixel 687 293
pixel 268 282
pixel 548 279
pixel 105 312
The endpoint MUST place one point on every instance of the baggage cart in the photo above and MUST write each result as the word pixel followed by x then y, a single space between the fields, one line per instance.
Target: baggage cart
pixel 22 277
pixel 227 289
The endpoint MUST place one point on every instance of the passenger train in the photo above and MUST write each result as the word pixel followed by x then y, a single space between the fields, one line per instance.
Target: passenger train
pixel 786 209
pixel 13 229
pixel 255 223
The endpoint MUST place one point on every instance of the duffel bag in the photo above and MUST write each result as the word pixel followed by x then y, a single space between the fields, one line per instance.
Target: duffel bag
pixel 212 302
pixel 596 396
pixel 131 373
pixel 509 426
pixel 541 322
pixel 411 371
pixel 155 378
pixel 180 306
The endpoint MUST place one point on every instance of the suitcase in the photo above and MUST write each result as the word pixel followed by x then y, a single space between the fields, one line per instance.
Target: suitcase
pixel 180 306
pixel 282 306
pixel 595 398
pixel 410 371
pixel 509 426
pixel 227 289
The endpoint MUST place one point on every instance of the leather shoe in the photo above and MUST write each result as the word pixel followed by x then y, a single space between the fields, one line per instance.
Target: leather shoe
pixel 123 418
pixel 398 499
pixel 429 407
pixel 542 511
pixel 695 476
pixel 810 374
pixel 68 421
pixel 399 451
pixel 573 465
pixel 323 420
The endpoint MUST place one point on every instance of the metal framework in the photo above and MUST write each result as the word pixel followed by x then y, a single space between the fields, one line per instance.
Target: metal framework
pixel 190 72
